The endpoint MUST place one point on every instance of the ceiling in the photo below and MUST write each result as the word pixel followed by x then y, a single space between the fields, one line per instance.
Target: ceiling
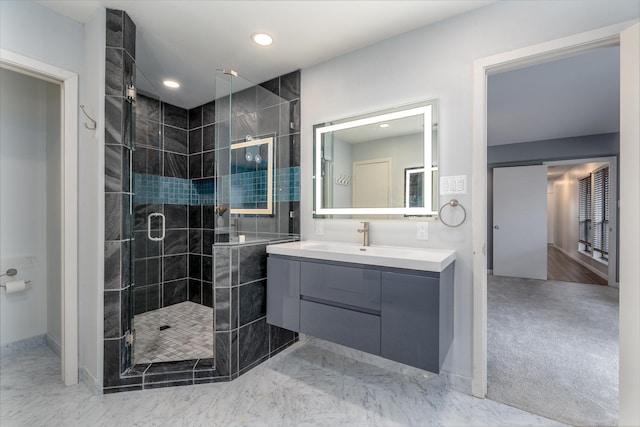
pixel 574 96
pixel 189 40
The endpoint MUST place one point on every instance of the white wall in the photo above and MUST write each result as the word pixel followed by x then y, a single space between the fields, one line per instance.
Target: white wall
pixel 434 62
pixel 24 134
pixel 566 213
pixel 342 166
pixel 550 212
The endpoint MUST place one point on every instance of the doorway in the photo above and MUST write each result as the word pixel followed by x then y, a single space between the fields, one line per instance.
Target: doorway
pixel 627 35
pixel 64 222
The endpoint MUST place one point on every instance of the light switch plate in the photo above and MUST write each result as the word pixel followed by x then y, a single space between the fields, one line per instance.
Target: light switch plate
pixel 422 230
pixel 453 185
pixel 319 228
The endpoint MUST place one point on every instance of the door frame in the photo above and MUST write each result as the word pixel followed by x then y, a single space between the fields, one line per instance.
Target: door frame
pixel 69 162
pixel 605 36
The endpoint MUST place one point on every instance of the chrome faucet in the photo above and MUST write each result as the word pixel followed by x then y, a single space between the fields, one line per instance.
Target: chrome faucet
pixel 365 230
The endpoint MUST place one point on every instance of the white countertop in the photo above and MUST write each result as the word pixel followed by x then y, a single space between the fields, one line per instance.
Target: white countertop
pixel 423 259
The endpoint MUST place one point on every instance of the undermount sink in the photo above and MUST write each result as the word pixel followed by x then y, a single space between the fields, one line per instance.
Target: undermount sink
pixel 386 256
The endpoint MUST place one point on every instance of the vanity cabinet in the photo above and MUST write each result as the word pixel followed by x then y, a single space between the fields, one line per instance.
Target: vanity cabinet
pixel 402 315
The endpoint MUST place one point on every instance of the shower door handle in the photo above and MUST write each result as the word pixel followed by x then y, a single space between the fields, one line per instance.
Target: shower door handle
pixel 162 229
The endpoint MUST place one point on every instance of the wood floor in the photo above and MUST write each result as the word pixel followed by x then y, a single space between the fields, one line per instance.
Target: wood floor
pixel 563 268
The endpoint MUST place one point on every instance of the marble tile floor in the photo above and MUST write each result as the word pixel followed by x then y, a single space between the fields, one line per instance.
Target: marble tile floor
pixel 304 385
pixel 189 336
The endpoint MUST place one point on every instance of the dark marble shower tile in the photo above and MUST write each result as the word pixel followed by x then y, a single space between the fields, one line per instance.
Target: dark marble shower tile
pixel 223 134
pixel 222 162
pixel 207 242
pixel 253 342
pixel 195 291
pixel 195 266
pixel 195 141
pixel 126 170
pixel 125 324
pixel 114 70
pixel 294 223
pixel 223 353
pixel 288 151
pixel 222 309
pixel 112 314
pixel 208 217
pixel 112 216
pixel 154 108
pixel 112 265
pixel 222 270
pixel 268 120
pixel 153 270
pixel 243 125
pixel 111 367
pixel 175 165
pixel 175 140
pixel 128 126
pixel 207 294
pixel 129 75
pixel 139 218
pixel 140 278
pixel 142 131
pixel 176 216
pixel 139 300
pixel 140 244
pixel 176 242
pixel 290 117
pixel 129 39
pixel 195 117
pixel 235 309
pixel 268 93
pixel 113 120
pixel 174 267
pixel 127 220
pixel 253 263
pixel 195 166
pixel 153 297
pixel 208 164
pixel 112 168
pixel 208 113
pixel 279 337
pixel 234 354
pixel 195 216
pixel 235 266
pixel 171 367
pixel 174 292
pixel 195 241
pixel 153 248
pixel 208 138
pixel 253 301
pixel 114 36
pixel 175 116
pixel 154 162
pixel 126 275
pixel 207 269
pixel 290 86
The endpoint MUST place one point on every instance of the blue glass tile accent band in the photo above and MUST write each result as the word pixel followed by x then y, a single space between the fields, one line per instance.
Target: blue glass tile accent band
pixel 247 187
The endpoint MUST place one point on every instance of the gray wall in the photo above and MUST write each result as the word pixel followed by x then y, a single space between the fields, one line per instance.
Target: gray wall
pixel 435 62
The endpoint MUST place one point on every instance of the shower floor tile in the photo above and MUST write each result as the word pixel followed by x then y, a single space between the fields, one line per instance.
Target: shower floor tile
pixel 189 334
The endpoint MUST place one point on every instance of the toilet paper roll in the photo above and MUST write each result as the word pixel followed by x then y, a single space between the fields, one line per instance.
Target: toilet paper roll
pixel 15 286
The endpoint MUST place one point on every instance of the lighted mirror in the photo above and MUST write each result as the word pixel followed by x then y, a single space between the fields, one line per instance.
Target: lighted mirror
pixel 252 176
pixel 384 163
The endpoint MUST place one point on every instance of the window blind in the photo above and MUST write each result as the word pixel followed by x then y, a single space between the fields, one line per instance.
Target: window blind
pixel 584 211
pixel 601 211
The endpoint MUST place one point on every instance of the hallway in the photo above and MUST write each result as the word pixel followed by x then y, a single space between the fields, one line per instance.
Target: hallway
pixel 562 268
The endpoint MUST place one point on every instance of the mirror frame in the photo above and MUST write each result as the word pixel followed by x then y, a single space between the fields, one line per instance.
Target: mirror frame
pixel 257 142
pixel 428 109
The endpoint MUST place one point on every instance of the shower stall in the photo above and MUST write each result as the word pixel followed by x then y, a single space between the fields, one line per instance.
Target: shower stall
pixel 202 190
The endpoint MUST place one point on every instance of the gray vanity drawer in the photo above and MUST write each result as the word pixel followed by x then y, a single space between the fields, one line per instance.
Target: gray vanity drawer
pixel 354 286
pixel 351 328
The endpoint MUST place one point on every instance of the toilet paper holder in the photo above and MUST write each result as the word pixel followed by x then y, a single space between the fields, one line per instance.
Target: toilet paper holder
pixel 11 272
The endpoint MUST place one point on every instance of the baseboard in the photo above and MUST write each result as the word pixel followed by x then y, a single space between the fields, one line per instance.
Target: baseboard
pixel 457 382
pixel 585 264
pixel 53 345
pixel 93 384
pixel 25 344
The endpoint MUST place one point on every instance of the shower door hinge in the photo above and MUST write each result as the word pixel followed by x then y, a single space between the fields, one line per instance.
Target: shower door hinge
pixel 131 92
pixel 130 337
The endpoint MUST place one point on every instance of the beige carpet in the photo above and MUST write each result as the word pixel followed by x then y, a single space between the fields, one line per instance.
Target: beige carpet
pixel 553 349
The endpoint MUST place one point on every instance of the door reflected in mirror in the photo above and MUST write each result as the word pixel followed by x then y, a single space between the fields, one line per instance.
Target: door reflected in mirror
pixel 385 163
pixel 252 177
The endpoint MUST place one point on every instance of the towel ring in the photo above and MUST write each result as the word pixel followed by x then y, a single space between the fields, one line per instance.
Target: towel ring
pixel 453 203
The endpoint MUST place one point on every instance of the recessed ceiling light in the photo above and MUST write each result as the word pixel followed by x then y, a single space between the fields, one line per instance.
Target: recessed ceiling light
pixel 262 39
pixel 385 125
pixel 171 83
